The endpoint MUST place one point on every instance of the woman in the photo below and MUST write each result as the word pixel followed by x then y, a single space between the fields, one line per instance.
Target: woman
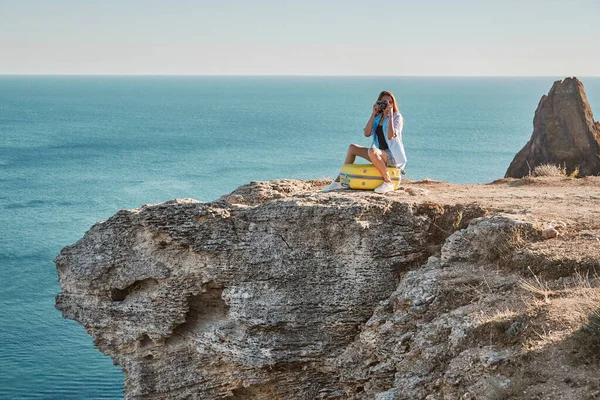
pixel 385 126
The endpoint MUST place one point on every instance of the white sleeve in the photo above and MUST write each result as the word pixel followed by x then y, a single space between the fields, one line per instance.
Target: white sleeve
pixel 398 123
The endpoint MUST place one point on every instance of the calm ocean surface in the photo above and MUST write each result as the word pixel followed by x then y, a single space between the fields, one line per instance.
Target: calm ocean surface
pixel 75 150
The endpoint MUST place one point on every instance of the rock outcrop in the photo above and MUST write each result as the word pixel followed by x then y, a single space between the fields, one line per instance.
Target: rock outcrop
pixel 278 291
pixel 564 134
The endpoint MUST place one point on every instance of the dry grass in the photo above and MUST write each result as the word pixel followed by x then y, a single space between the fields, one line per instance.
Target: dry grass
pixel 588 336
pixel 549 170
pixel 536 286
pixel 583 295
pixel 573 310
pixel 575 172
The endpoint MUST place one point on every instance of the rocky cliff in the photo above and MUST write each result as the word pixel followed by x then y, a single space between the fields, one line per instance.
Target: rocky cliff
pixel 278 291
pixel 564 133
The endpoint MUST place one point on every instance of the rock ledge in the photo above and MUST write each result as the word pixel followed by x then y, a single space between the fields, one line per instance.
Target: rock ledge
pixel 278 291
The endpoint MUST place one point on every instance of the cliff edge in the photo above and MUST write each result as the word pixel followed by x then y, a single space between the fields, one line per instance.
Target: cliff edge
pixel 278 291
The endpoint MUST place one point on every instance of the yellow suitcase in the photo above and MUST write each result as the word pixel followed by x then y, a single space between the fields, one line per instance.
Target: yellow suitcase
pixel 366 176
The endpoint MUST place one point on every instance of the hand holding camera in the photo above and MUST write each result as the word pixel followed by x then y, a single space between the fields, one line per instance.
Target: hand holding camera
pixel 379 107
pixel 382 105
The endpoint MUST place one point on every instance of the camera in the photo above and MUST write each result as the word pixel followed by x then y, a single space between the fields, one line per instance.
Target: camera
pixel 382 105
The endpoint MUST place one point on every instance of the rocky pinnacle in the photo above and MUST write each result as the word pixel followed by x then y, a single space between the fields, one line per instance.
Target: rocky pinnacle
pixel 564 133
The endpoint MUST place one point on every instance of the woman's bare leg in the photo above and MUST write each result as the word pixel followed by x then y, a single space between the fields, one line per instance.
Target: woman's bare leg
pixel 353 151
pixel 379 160
pixel 356 150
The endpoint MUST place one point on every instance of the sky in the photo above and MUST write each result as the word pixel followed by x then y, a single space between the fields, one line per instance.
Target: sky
pixel 284 37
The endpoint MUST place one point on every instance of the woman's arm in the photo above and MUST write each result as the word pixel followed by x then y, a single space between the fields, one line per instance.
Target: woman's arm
pixel 369 128
pixel 394 125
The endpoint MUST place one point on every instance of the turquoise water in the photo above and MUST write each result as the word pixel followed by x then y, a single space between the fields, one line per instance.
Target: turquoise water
pixel 75 150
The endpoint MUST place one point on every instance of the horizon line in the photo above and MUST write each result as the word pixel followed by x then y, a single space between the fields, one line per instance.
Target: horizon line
pixel 292 75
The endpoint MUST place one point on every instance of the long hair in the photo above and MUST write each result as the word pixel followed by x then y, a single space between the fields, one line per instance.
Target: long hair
pixel 384 93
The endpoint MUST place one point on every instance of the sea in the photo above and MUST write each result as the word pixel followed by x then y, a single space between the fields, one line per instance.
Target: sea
pixel 74 150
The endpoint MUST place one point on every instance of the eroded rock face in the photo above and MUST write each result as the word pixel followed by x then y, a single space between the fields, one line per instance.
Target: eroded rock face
pixel 210 300
pixel 564 133
pixel 277 291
